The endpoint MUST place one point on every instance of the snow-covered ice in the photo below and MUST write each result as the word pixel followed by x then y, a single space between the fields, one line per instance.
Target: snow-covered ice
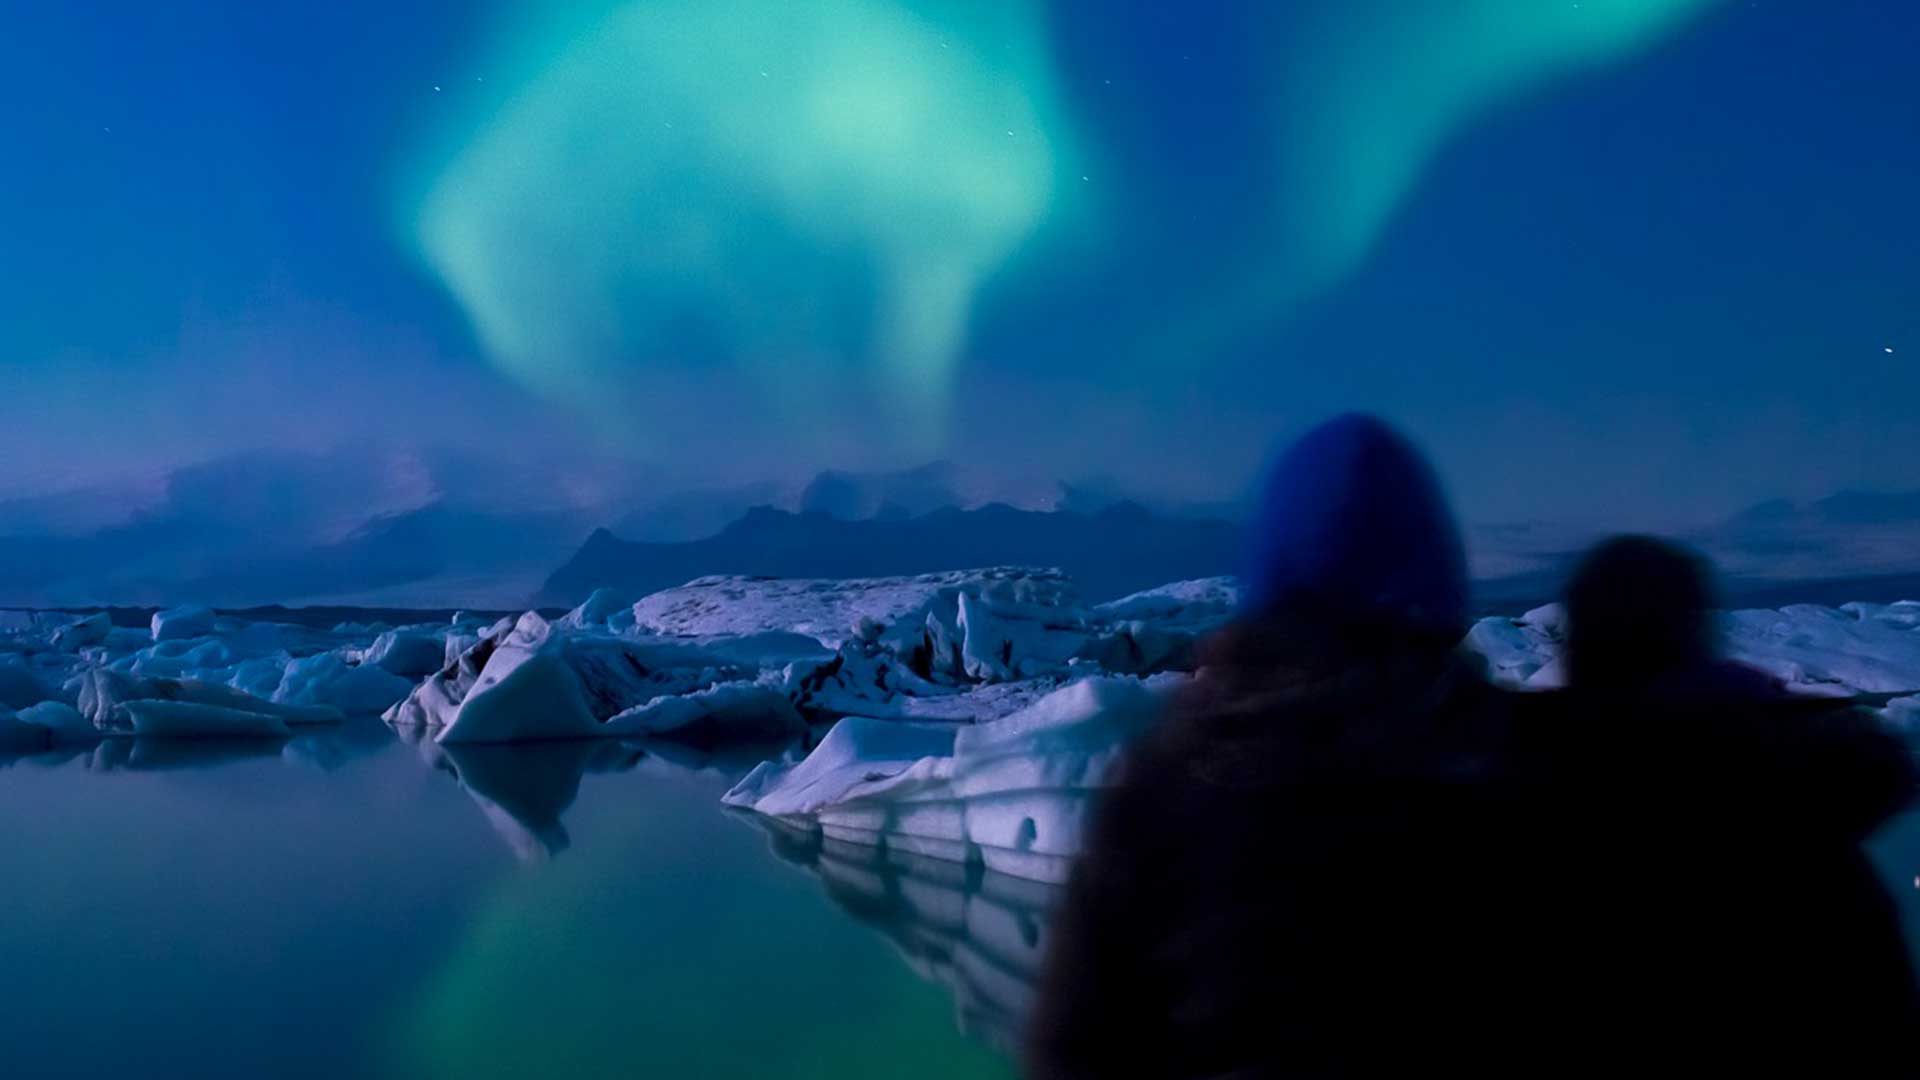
pixel 1848 650
pixel 973 714
pixel 182 622
pixel 1012 793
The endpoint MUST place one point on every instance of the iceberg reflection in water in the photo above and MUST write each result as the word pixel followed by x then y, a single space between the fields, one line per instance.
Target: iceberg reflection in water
pixel 524 789
pixel 326 749
pixel 979 933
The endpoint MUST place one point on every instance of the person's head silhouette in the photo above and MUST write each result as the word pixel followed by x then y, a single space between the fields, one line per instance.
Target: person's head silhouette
pixel 1639 612
pixel 1352 525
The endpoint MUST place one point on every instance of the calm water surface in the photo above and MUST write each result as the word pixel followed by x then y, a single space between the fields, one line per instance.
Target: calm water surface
pixel 350 905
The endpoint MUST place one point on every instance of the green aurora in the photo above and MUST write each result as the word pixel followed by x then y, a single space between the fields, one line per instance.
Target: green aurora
pixel 810 193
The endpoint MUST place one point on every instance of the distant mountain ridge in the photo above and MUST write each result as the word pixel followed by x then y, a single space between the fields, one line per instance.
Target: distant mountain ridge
pixel 416 527
pixel 426 527
pixel 1120 549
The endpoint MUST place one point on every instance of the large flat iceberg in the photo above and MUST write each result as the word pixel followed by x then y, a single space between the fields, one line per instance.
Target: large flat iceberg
pixel 1011 794
pixel 1854 649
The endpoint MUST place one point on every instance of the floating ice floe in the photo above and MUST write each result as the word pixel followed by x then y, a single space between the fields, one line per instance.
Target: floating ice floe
pixel 737 659
pixel 534 681
pixel 117 703
pixel 1011 794
pixel 1854 649
pixel 190 621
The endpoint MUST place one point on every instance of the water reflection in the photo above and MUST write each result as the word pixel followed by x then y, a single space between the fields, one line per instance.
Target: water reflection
pixel 979 934
pixel 523 789
pixel 327 749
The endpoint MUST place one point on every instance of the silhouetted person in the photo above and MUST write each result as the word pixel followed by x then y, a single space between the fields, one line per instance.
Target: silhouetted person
pixel 1720 906
pixel 1640 616
pixel 1303 870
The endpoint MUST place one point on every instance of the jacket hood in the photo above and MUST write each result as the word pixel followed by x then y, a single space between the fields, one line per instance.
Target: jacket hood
pixel 1352 523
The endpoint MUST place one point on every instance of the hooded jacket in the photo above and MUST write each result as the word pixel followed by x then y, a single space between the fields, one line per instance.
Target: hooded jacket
pixel 1297 873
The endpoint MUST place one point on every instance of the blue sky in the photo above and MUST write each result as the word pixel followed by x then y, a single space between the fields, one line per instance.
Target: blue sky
pixel 1636 260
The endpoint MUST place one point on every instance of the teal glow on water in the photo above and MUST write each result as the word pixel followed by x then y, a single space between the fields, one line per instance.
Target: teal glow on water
pixel 350 906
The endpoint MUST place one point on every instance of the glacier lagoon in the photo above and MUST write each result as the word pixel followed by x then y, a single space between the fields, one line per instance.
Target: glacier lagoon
pixel 586 908
pixel 745 826
pixel 266 908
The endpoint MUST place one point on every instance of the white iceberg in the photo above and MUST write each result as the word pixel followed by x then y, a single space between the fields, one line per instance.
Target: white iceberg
pixel 1854 649
pixel 156 718
pixel 833 610
pixel 1858 648
pixel 63 722
pixel 1012 794
pixel 327 679
pixel 604 606
pixel 741 710
pixel 115 701
pixel 534 681
pixel 411 654
pixel 188 621
pixel 82 632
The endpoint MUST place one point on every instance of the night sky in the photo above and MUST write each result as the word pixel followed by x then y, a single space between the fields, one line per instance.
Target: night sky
pixel 1646 260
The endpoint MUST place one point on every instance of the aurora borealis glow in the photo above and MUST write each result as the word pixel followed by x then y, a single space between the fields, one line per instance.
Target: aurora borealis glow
pixel 1563 242
pixel 804 186
pixel 792 179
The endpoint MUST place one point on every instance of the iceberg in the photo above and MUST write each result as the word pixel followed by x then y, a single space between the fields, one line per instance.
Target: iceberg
pixel 1852 650
pixel 728 711
pixel 1011 794
pixel 410 654
pixel 62 722
pixel 119 703
pixel 832 610
pixel 533 680
pixel 327 679
pixel 82 632
pixel 189 621
pixel 153 718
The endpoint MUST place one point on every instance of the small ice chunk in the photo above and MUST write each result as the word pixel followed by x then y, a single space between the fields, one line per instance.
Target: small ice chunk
pixel 410 654
pixel 596 609
pixel 728 711
pixel 63 722
pixel 192 720
pixel 327 679
pixel 191 620
pixel 106 698
pixel 82 632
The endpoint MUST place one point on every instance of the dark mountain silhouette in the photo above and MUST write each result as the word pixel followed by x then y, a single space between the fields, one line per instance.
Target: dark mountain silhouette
pixel 1116 551
pixel 1842 508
